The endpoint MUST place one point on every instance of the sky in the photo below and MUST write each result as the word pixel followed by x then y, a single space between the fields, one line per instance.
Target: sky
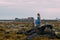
pixel 48 9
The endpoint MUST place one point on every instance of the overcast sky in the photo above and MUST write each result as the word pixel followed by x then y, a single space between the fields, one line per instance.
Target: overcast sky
pixel 10 9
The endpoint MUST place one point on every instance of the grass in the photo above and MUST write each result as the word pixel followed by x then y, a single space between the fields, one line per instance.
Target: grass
pixel 12 33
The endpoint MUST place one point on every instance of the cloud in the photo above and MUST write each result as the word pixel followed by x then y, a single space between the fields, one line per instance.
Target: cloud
pixel 51 3
pixel 26 7
pixel 3 3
